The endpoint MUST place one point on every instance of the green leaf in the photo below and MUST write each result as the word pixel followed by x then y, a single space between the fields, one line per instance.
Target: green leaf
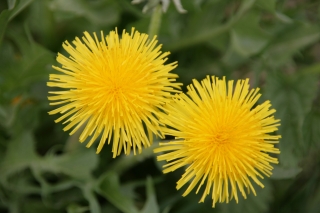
pixel 21 5
pixel 4 19
pixel 108 186
pixel 247 39
pixel 311 131
pixel 291 96
pixel 244 7
pixel 42 24
pixel 284 173
pixel 126 162
pixel 29 67
pixel 151 205
pixel 283 18
pixel 19 155
pixel 311 70
pixel 88 192
pixel 78 164
pixel 289 41
pixel 98 12
pixel 269 5
pixel 247 36
pixel 74 208
pixel 313 204
pixel 203 30
pixel 252 204
pixel 11 4
pixel 33 205
pixel 8 115
pixel 233 58
pixel 7 15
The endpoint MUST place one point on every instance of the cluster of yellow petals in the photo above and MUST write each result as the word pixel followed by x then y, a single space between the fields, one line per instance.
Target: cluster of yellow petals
pixel 114 88
pixel 119 89
pixel 222 138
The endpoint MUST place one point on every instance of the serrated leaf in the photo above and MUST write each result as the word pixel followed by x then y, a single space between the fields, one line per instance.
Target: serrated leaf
pixel 151 205
pixel 108 186
pixel 292 97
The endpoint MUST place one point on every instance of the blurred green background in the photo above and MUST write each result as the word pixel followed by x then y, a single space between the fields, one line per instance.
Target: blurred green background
pixel 43 169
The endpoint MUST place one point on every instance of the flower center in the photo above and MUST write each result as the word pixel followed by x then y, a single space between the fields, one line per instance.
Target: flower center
pixel 221 137
pixel 116 90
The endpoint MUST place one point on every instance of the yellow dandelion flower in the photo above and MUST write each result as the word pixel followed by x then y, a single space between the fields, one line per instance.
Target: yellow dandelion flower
pixel 115 87
pixel 221 137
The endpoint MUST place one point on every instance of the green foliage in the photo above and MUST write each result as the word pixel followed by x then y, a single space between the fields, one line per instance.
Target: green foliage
pixel 43 169
pixel 109 187
pixel 292 96
pixel 252 204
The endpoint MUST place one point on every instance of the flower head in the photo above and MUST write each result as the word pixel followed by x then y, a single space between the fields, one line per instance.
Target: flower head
pixel 115 87
pixel 221 137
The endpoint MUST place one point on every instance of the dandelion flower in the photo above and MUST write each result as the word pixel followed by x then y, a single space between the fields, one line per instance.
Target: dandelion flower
pixel 114 87
pixel 222 139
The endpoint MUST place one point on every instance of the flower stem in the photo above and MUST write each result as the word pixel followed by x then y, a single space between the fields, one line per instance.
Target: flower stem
pixel 155 22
